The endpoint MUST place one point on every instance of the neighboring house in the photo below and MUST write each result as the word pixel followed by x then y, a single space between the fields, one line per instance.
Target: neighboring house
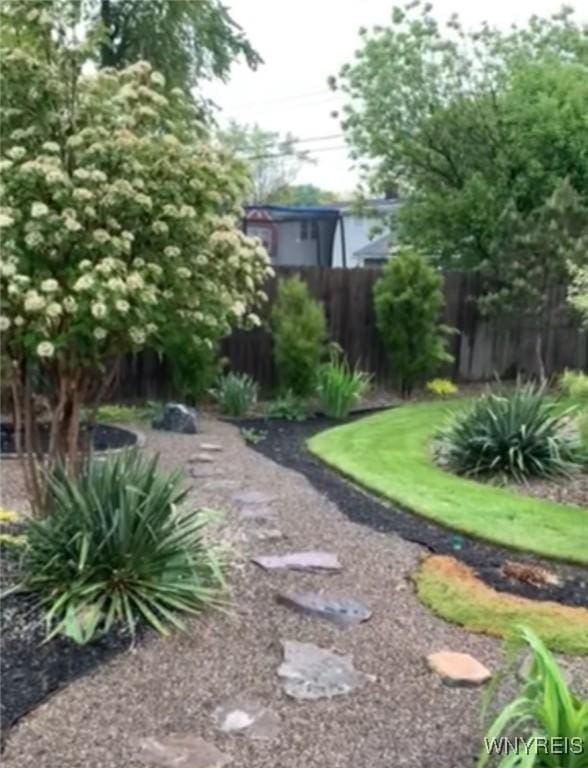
pixel 329 236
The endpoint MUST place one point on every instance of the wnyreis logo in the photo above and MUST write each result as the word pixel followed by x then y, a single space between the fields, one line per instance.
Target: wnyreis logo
pixel 536 745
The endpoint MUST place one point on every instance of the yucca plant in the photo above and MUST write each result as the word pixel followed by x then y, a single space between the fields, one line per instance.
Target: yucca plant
pixel 339 387
pixel 545 725
pixel 236 394
pixel 116 546
pixel 513 436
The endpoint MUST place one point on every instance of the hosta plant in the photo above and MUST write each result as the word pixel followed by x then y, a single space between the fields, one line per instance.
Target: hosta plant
pixel 236 394
pixel 118 546
pixel 339 387
pixel 288 406
pixel 545 725
pixel 514 436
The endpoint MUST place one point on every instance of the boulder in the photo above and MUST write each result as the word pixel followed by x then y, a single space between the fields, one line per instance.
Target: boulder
pixel 176 417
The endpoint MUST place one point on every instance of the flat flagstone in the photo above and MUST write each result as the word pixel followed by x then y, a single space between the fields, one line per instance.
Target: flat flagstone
pixel 200 472
pixel 256 514
pixel 340 610
pixel 215 447
pixel 248 717
pixel 253 497
pixel 201 458
pixel 263 534
pixel 459 669
pixel 310 672
pixel 220 483
pixel 299 561
pixel 182 751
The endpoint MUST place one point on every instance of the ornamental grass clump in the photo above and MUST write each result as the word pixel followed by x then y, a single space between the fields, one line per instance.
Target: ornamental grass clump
pixel 236 394
pixel 117 547
pixel 339 387
pixel 545 725
pixel 515 436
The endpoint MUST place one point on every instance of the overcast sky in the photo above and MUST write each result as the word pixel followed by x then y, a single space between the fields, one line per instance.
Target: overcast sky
pixel 302 42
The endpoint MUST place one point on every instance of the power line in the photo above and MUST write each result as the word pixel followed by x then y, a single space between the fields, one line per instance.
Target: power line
pixel 282 99
pixel 289 154
pixel 291 142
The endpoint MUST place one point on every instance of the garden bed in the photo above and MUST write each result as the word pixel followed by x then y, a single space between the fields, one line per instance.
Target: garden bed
pixel 105 437
pixel 31 669
pixel 285 443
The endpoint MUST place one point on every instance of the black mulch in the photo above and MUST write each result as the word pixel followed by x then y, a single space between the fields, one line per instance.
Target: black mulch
pixel 104 437
pixel 284 442
pixel 30 669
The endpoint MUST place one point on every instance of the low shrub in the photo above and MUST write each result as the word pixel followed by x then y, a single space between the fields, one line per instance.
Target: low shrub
pixel 339 387
pixel 441 387
pixel 299 331
pixel 549 718
pixel 10 519
pixel 513 436
pixel 236 394
pixel 125 414
pixel 116 546
pixel 575 384
pixel 288 406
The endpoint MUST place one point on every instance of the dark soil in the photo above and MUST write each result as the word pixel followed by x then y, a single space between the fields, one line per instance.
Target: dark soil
pixel 31 669
pixel 105 437
pixel 284 442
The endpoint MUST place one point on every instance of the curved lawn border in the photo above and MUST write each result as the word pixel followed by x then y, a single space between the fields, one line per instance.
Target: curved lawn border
pixel 453 591
pixel 388 454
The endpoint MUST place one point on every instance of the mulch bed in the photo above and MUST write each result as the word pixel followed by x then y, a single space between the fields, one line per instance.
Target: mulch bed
pixel 284 442
pixel 31 669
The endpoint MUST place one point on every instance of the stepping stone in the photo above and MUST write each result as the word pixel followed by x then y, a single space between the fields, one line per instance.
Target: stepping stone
pixel 202 472
pixel 253 497
pixel 202 458
pixel 299 561
pixel 248 717
pixel 343 611
pixel 257 515
pixel 458 669
pixel 215 447
pixel 221 484
pixel 310 672
pixel 182 751
pixel 263 534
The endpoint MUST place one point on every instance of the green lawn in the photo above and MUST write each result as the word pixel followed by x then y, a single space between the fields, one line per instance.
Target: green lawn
pixel 388 453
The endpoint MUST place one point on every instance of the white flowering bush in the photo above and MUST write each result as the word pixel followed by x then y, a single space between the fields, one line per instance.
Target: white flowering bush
pixel 578 293
pixel 119 221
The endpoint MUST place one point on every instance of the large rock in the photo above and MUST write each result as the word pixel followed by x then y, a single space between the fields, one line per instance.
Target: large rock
pixel 182 751
pixel 341 610
pixel 459 669
pixel 311 672
pixel 176 417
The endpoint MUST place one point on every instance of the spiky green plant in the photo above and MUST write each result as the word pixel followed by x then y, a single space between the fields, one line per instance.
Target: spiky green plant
pixel 117 546
pixel 546 714
pixel 236 394
pixel 513 436
pixel 339 387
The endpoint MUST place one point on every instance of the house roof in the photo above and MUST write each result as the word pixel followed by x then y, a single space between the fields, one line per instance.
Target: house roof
pixel 380 247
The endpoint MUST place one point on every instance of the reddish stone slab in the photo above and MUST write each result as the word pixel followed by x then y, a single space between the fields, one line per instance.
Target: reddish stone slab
pixel 458 668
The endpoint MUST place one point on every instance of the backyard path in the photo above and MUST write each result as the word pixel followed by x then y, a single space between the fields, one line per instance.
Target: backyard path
pixel 405 718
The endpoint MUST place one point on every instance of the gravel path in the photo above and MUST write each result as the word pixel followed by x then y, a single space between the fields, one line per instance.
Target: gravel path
pixel 405 719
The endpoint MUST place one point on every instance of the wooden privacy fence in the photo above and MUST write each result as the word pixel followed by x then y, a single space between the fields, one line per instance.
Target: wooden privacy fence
pixel 481 349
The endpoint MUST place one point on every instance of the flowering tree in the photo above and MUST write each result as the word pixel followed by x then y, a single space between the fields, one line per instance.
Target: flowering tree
pixel 118 223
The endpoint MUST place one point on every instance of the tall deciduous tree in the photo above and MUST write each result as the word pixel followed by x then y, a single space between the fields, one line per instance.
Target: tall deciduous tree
pixel 485 135
pixel 119 224
pixel 273 160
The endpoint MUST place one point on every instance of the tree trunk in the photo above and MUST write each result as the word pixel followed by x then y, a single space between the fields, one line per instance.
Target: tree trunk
pixel 539 356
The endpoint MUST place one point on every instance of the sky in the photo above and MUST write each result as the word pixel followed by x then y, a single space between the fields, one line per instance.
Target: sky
pixel 302 42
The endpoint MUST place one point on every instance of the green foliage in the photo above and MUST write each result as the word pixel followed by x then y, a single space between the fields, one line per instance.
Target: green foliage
pixel 288 406
pixel 303 194
pixel 194 366
pixel 545 708
pixel 575 384
pixel 484 133
pixel 236 394
pixel 513 436
pixel 118 547
pixel 8 517
pixel 253 436
pixel 441 387
pixel 339 387
pixel 408 300
pixel 578 292
pixel 125 414
pixel 299 332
